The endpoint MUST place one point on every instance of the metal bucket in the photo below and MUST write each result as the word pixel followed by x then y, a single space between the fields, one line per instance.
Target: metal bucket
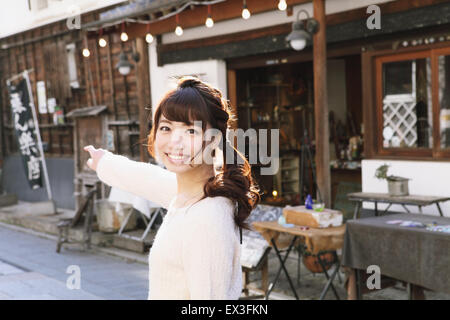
pixel 398 186
pixel 110 216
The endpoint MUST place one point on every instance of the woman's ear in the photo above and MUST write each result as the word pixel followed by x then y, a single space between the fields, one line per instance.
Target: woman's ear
pixel 214 136
pixel 215 140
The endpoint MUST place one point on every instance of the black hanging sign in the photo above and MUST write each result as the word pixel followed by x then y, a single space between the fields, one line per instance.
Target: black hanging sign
pixel 25 132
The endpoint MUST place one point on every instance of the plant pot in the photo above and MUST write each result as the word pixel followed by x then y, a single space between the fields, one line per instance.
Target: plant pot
pixel 311 262
pixel 398 186
pixel 110 217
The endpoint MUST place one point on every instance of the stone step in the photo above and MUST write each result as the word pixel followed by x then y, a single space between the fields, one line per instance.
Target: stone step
pixel 8 199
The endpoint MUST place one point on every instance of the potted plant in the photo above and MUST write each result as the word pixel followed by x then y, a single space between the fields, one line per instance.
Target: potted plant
pixel 397 186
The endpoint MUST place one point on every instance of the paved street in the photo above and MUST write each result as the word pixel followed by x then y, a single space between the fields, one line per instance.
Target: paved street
pixel 31 269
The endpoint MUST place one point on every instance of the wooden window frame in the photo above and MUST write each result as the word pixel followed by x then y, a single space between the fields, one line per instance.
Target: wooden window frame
pixel 438 152
pixel 372 62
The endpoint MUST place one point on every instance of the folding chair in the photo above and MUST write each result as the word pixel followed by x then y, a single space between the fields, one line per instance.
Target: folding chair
pixel 148 210
pixel 254 257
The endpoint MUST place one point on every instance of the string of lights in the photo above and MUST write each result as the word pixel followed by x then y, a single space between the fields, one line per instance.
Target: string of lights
pixel 209 22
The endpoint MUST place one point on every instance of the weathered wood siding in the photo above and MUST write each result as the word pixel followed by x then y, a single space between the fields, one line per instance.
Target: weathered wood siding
pixel 100 83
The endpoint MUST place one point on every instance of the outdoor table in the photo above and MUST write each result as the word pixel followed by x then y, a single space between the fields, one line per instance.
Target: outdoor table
pixel 414 255
pixel 315 240
pixel 415 200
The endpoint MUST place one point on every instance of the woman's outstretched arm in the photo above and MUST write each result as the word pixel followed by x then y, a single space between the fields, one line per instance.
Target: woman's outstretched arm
pixel 142 179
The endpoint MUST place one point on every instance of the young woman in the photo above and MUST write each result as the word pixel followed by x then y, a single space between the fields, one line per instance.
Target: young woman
pixel 196 251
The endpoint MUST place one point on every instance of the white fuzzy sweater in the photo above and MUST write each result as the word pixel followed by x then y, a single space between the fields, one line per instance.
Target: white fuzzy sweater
pixel 196 251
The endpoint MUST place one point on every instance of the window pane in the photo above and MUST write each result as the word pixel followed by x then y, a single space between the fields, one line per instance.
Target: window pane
pixel 407 108
pixel 444 100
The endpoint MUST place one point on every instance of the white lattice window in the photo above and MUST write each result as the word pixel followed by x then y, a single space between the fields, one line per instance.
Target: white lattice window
pixel 406 103
pixel 399 114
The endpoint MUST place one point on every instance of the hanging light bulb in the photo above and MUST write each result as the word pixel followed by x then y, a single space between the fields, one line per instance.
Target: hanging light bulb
pixel 245 12
pixel 148 36
pixel 123 35
pixel 101 41
pixel 86 52
pixel 178 29
pixel 209 21
pixel 282 5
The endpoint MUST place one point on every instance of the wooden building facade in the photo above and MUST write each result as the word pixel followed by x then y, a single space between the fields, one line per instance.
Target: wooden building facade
pixel 50 51
pixel 261 70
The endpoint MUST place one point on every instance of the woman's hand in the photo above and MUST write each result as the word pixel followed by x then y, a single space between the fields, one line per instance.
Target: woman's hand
pixel 96 155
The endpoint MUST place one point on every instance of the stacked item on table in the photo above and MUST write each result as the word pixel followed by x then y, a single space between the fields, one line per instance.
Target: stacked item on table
pixel 301 216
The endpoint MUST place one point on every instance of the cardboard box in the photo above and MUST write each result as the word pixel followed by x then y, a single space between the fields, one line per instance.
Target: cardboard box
pixel 301 216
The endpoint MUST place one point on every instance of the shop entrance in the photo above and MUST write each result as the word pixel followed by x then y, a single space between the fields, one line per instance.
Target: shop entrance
pixel 281 96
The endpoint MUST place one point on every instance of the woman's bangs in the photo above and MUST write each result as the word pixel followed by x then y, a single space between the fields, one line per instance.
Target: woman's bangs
pixel 184 106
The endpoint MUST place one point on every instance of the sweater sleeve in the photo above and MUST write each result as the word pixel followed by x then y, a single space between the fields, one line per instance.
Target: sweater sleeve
pixel 209 253
pixel 142 179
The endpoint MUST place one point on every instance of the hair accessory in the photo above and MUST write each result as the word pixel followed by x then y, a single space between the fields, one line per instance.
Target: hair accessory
pixel 190 82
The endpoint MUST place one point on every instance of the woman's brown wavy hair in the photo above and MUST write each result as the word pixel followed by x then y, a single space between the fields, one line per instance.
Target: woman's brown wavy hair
pixel 195 100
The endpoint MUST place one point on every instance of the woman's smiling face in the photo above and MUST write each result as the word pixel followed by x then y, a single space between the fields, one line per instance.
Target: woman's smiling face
pixel 178 143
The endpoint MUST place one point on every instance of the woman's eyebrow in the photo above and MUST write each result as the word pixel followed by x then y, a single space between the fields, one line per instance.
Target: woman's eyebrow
pixel 188 124
pixel 165 121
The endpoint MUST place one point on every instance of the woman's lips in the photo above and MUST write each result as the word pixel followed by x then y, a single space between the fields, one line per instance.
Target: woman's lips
pixel 177 158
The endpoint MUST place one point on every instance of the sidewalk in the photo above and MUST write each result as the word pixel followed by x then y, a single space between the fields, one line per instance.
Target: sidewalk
pixel 45 272
pixel 18 284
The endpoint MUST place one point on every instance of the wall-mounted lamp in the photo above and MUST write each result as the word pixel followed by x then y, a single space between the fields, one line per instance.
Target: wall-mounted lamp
pixel 124 66
pixel 302 31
